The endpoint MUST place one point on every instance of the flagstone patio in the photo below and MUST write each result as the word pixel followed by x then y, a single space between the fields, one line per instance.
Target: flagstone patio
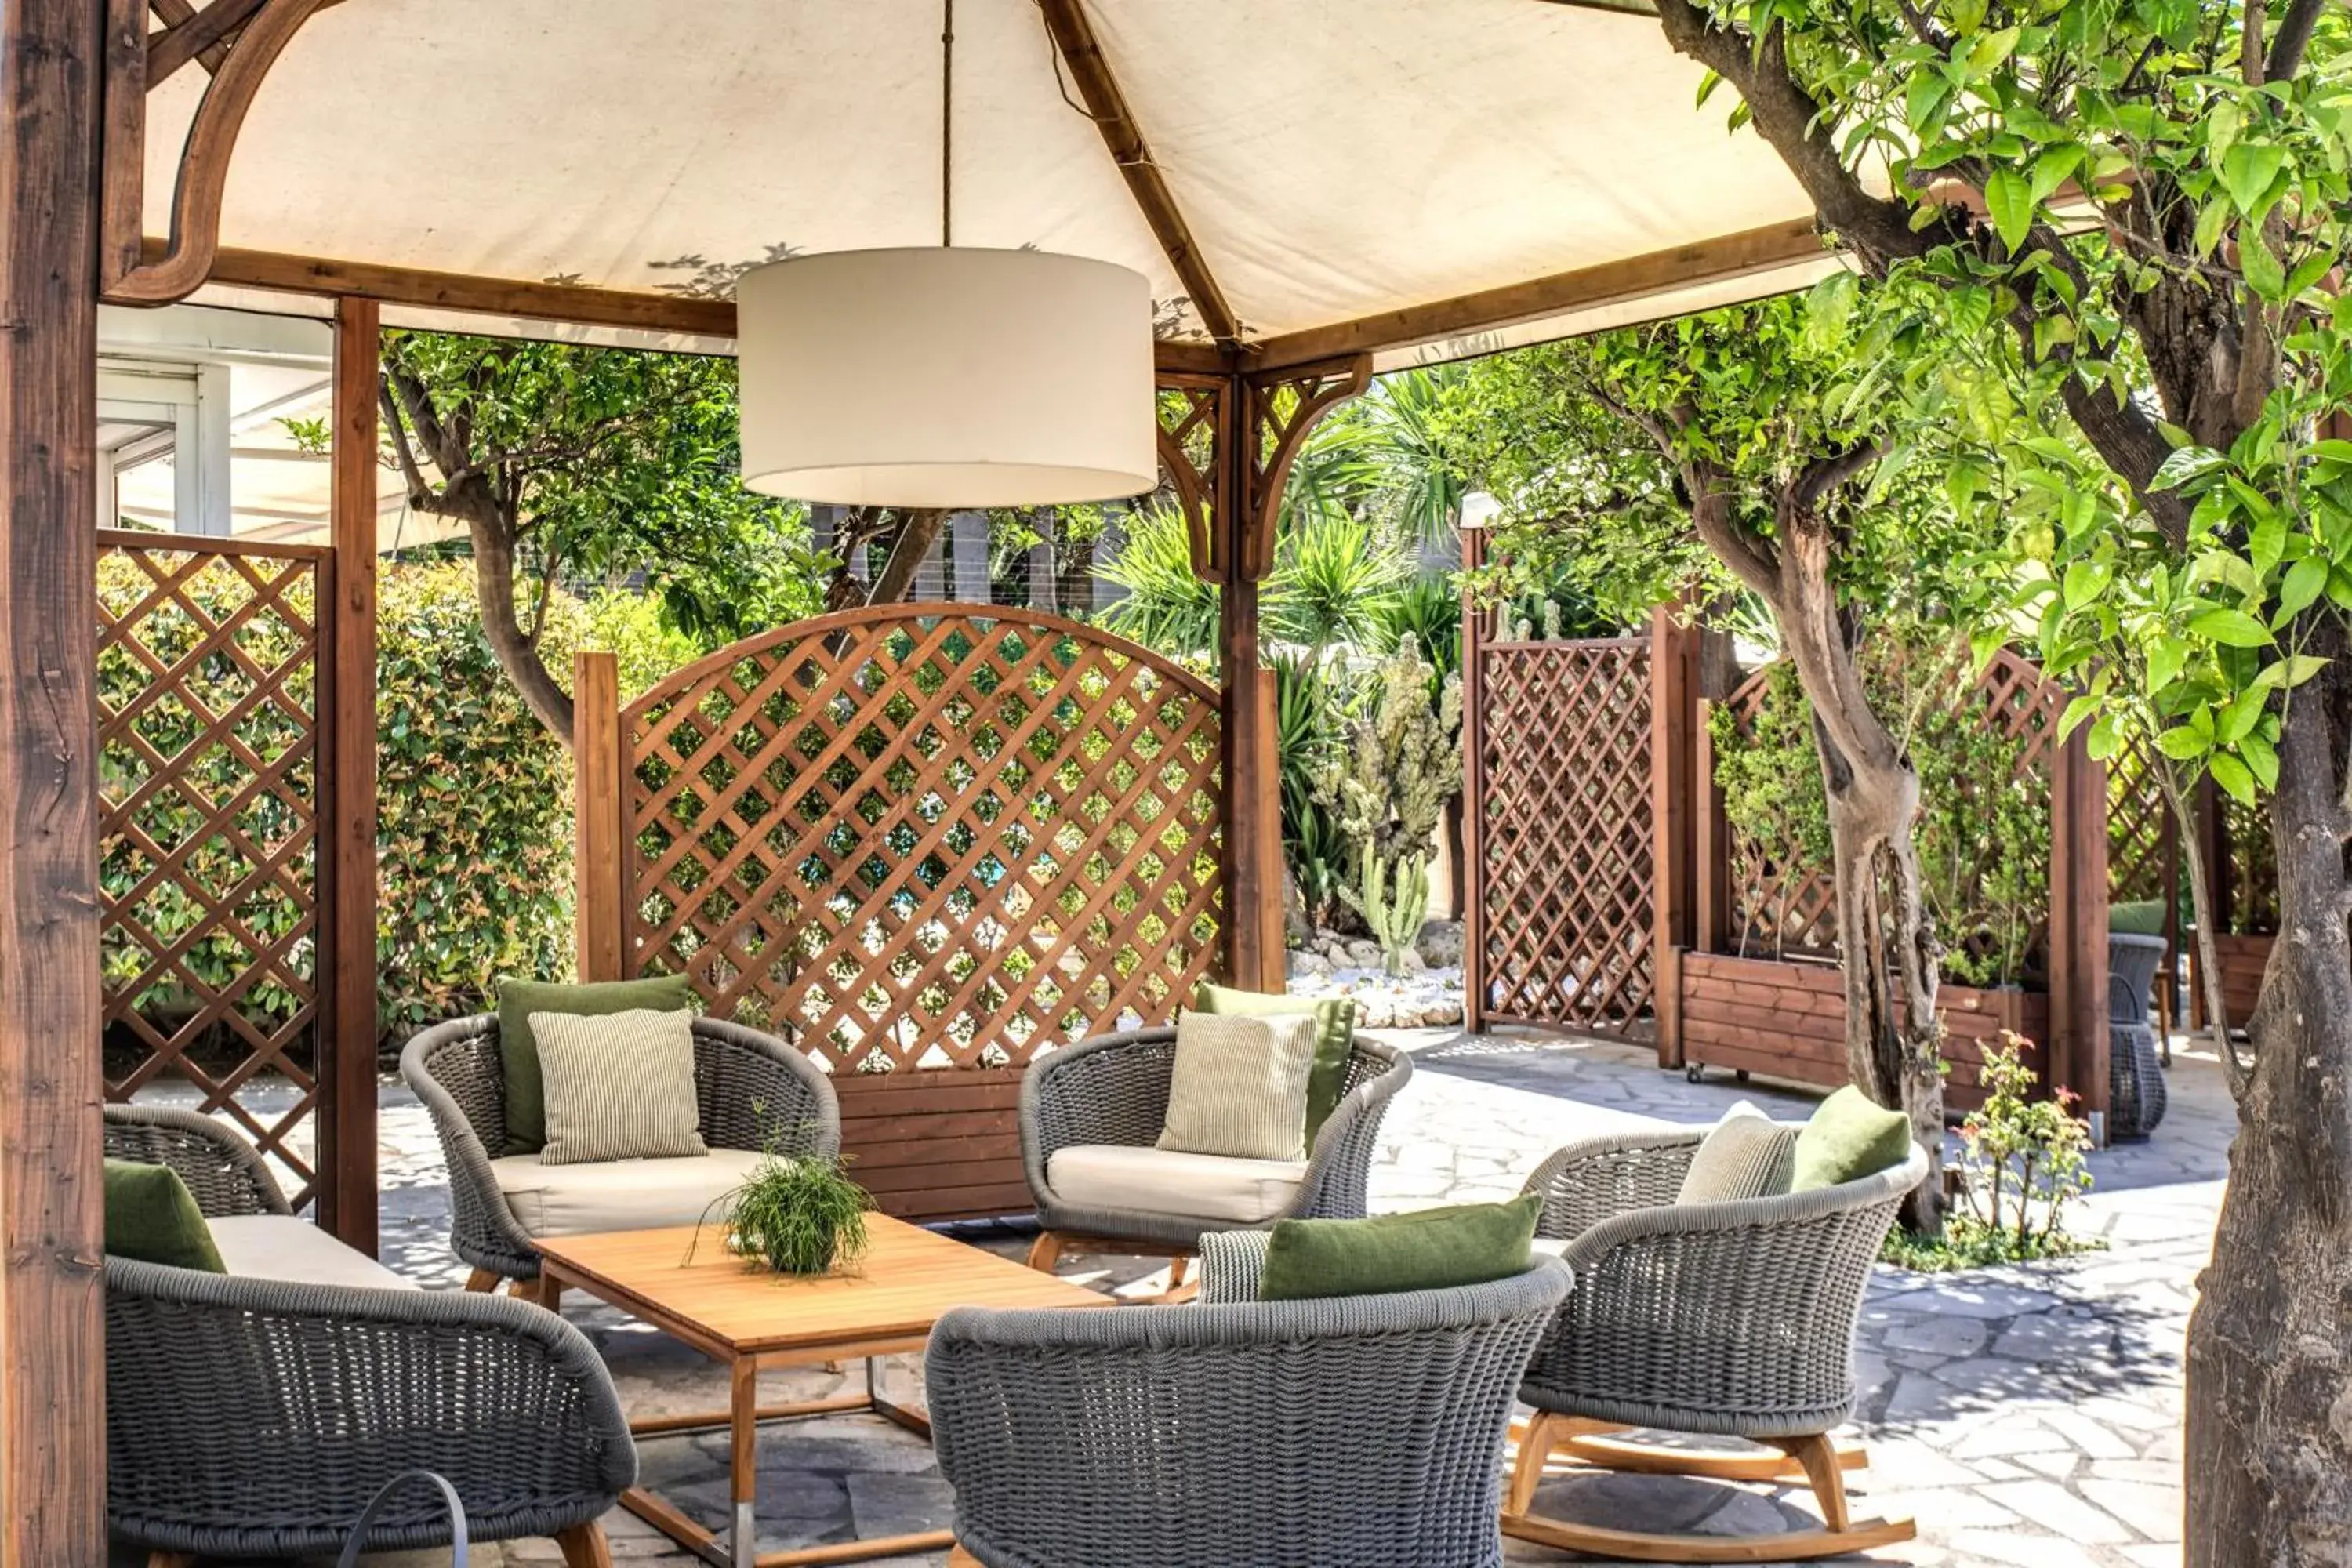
pixel 2024 1416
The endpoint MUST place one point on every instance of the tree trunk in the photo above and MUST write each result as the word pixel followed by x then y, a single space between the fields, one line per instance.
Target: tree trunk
pixel 494 592
pixel 2269 1371
pixel 1886 946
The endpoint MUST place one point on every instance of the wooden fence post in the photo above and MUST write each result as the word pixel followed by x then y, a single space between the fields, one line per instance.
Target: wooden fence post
pixel 346 1052
pixel 1474 791
pixel 600 813
pixel 1674 719
pixel 2078 925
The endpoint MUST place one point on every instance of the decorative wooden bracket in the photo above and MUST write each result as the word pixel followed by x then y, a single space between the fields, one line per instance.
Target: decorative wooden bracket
pixel 1193 439
pixel 237 41
pixel 1283 410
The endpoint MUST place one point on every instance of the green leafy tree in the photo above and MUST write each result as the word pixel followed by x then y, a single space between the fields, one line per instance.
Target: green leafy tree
pixel 577 464
pixel 2156 197
pixel 1773 447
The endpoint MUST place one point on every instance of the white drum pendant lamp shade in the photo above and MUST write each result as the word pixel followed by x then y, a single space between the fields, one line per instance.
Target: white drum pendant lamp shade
pixel 947 378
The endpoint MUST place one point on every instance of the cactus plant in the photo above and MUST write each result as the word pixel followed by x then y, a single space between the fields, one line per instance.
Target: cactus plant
pixel 1393 909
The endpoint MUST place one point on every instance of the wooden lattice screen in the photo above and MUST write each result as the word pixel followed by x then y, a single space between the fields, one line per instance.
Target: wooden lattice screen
pixel 1560 782
pixel 1781 898
pixel 212 682
pixel 927 836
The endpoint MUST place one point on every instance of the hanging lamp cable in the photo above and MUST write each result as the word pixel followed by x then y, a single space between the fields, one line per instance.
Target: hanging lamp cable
pixel 947 123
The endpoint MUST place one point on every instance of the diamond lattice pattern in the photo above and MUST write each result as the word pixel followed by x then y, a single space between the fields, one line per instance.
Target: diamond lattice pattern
pixel 929 836
pixel 1566 832
pixel 208 689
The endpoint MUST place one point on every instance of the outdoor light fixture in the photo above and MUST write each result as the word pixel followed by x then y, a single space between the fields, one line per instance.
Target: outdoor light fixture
pixel 916 377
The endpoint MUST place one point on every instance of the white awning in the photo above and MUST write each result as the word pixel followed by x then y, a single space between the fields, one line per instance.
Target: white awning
pixel 1333 158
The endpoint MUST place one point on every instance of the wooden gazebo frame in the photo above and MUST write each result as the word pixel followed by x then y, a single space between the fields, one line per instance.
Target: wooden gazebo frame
pixel 74 80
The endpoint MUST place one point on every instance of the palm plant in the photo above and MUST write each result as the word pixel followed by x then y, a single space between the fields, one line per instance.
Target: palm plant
pixel 1168 607
pixel 1332 574
pixel 1399 434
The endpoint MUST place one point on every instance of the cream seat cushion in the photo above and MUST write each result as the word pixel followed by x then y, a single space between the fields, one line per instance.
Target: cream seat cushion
pixel 1165 1181
pixel 283 1247
pixel 619 1195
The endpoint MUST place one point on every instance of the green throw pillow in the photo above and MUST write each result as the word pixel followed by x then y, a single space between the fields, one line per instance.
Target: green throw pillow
pixel 519 1052
pixel 1335 1038
pixel 1849 1136
pixel 151 1216
pixel 1426 1250
pixel 2143 916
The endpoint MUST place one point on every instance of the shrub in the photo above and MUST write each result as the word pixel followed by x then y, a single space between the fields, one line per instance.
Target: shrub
pixel 2022 1163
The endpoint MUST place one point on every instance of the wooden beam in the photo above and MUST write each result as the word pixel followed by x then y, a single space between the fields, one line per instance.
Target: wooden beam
pixel 346 1056
pixel 52 1229
pixel 1633 278
pixel 569 304
pixel 1073 40
pixel 197 33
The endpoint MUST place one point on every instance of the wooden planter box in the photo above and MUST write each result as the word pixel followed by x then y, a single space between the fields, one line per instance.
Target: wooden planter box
pixel 1786 1018
pixel 938 1144
pixel 2243 959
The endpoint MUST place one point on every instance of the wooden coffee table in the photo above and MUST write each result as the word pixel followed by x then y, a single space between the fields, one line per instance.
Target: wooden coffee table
pixel 748 1320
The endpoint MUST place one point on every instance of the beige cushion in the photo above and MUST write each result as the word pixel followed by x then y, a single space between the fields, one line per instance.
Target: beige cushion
pixel 1745 1155
pixel 620 1086
pixel 1163 1181
pixel 621 1194
pixel 1239 1085
pixel 279 1247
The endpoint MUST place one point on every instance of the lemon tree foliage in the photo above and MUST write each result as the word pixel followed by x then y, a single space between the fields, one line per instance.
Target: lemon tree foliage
pixel 576 465
pixel 2153 198
pixel 1792 450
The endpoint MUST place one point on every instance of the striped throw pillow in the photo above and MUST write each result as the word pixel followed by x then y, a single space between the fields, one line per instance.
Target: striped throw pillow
pixel 620 1086
pixel 1239 1085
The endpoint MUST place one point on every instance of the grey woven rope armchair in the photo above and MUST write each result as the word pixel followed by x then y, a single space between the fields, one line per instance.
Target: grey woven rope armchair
pixel 749 1087
pixel 1109 1094
pixel 254 1415
pixel 1726 1319
pixel 1357 1432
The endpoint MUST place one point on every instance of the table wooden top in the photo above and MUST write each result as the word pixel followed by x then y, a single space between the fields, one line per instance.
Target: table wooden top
pixel 721 1305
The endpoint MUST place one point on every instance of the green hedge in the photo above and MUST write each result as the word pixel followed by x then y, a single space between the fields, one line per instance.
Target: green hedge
pixel 474 797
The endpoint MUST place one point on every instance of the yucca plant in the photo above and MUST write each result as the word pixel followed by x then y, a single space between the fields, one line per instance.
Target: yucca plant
pixel 1168 607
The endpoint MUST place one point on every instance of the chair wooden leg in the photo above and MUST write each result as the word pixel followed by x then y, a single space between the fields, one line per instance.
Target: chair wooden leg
pixel 159 1558
pixel 1819 1457
pixel 1543 1435
pixel 484 1281
pixel 958 1558
pixel 1176 1268
pixel 542 1292
pixel 584 1546
pixel 1047 1252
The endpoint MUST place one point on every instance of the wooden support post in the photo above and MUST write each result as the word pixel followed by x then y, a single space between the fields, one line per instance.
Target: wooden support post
pixel 1474 791
pixel 52 1236
pixel 600 813
pixel 1711 843
pixel 2078 923
pixel 1253 795
pixel 1673 720
pixel 346 1051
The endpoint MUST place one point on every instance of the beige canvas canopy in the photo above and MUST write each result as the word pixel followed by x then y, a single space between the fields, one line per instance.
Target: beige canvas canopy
pixel 1336 163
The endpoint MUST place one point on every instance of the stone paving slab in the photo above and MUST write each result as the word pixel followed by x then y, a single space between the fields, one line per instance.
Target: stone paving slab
pixel 2026 1415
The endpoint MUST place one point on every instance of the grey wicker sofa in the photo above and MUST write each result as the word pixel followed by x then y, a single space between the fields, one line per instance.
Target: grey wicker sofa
pixel 749 1086
pixel 1112 1092
pixel 1357 1432
pixel 254 1416
pixel 1732 1319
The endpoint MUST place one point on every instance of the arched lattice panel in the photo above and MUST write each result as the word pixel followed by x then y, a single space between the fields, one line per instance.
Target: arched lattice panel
pixel 1565 841
pixel 926 836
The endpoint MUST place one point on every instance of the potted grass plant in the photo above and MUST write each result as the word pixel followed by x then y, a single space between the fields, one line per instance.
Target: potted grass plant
pixel 796 1215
